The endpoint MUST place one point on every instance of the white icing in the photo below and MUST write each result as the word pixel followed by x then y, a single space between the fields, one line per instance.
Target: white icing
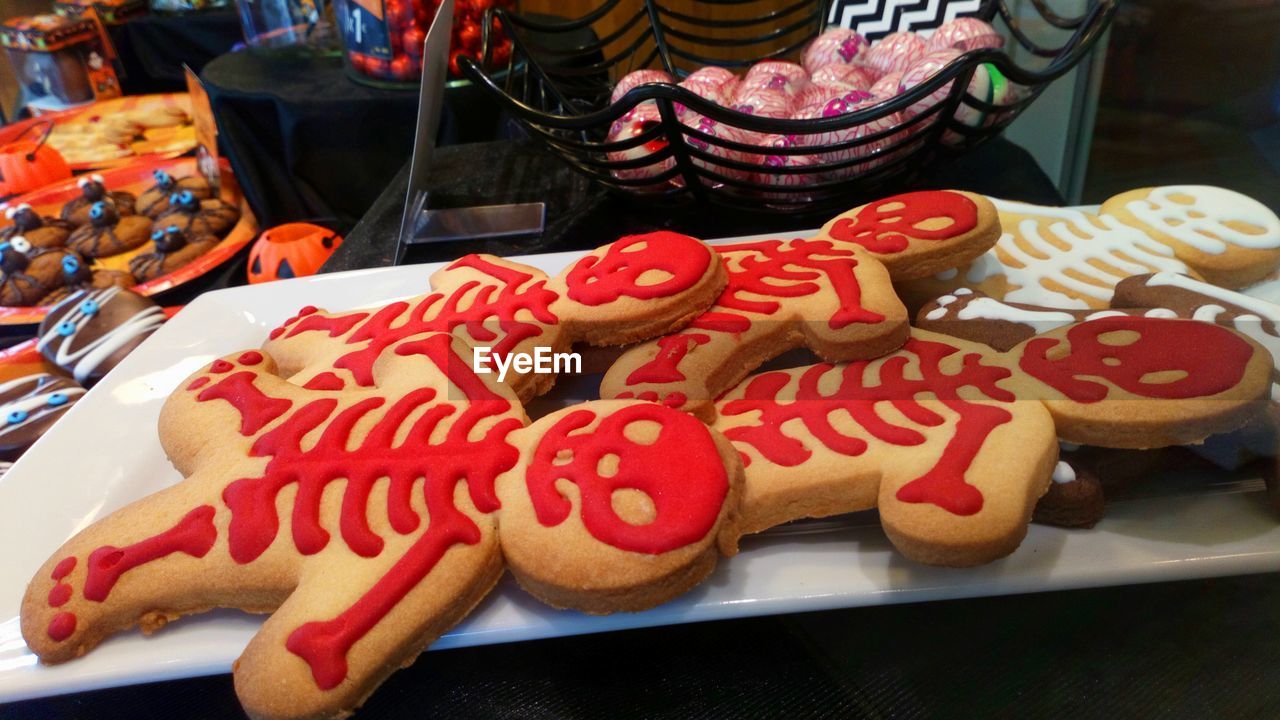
pixel 945 300
pixel 985 308
pixel 948 274
pixel 1164 313
pixel 1063 473
pixel 936 314
pixel 1216 206
pixel 962 291
pixel 1208 313
pixel 1105 314
pixel 85 361
pixel 1036 254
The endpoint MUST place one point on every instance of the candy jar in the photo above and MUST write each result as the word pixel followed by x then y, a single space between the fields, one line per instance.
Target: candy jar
pixel 384 38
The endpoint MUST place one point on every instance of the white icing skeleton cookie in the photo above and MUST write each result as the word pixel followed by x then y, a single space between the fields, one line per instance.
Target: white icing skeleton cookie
pixel 1065 258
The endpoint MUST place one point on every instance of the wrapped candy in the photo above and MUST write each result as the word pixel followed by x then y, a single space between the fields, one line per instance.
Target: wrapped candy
pixel 835 46
pixel 836 106
pixel 852 75
pixel 777 162
pixel 761 101
pixel 642 118
pixel 787 77
pixel 930 65
pixel 720 131
pixel 887 86
pixel 711 83
pixel 895 53
pixel 818 94
pixel 965 34
pixel 636 79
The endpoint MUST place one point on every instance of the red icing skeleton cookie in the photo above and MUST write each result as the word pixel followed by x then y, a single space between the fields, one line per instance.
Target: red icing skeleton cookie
pixel 630 290
pixel 955 442
pixel 830 294
pixel 370 520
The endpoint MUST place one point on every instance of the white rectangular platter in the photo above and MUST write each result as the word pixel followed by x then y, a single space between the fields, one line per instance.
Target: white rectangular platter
pixel 104 453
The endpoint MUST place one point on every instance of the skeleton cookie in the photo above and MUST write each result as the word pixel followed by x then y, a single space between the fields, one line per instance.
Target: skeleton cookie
pixel 1065 258
pixel 831 294
pixel 630 290
pixel 371 519
pixel 955 442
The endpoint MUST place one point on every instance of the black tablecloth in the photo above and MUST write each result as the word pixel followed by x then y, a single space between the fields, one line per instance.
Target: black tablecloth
pixel 1197 649
pixel 153 48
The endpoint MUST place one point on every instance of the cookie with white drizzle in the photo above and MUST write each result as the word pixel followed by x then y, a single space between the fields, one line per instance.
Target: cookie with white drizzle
pixel 39 231
pixel 1074 498
pixel 974 315
pixel 90 332
pixel 94 190
pixel 29 406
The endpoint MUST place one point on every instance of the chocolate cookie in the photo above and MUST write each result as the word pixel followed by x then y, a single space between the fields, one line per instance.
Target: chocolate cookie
pixel 77 276
pixel 108 233
pixel 18 286
pixel 173 250
pixel 39 231
pixel 154 201
pixel 198 217
pixel 92 331
pixel 29 406
pixel 93 191
pixel 1074 500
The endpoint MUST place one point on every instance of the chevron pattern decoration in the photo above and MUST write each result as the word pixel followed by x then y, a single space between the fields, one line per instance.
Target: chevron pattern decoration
pixel 877 18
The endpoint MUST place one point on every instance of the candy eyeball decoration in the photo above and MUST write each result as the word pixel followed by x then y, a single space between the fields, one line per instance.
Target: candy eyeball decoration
pixel 20 244
pixel 93 187
pixel 170 239
pixel 184 200
pixel 163 179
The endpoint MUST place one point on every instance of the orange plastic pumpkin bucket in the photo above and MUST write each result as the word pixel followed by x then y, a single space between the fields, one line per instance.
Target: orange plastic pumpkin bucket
pixel 291 250
pixel 28 164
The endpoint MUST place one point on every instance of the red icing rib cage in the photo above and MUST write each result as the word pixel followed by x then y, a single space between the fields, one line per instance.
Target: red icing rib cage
pixel 386 496
pixel 510 307
pixel 954 441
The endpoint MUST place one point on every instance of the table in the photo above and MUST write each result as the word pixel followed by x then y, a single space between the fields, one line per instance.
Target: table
pixel 1197 649
pixel 153 48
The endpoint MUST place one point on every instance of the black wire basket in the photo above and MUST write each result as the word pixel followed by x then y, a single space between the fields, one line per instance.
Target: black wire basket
pixel 558 86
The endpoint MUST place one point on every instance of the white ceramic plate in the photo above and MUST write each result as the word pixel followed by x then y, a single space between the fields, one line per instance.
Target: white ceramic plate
pixel 104 453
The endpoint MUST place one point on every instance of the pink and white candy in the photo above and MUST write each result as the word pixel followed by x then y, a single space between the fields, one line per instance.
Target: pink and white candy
pixel 895 53
pixel 836 106
pixel 817 95
pixel 776 162
pixel 835 46
pixel 787 77
pixel 887 86
pixel 640 119
pixel 720 131
pixel 979 87
pixel 636 79
pixel 965 34
pixel 711 83
pixel 763 102
pixel 853 75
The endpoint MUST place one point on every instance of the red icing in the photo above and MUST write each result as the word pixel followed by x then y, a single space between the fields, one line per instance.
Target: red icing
pixel 325 381
pixel 198 383
pixel 305 311
pixel 62 626
pixel 944 484
pixel 63 568
pixel 221 366
pixel 602 280
pixel 252 357
pixel 882 230
pixel 256 409
pixel 59 595
pixel 193 535
pixel 1212 359
pixel 772 269
pixel 513 292
pixel 687 496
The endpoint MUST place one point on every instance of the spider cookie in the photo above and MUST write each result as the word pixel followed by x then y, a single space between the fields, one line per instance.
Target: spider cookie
pixel 919 234
pixel 173 249
pixel 370 520
pixel 1229 239
pixel 955 442
pixel 197 217
pixel 93 191
pixel 630 290
pixel 107 233
pixel 154 201
pixel 1066 258
pixel 20 284
pixel 41 232
pixel 830 294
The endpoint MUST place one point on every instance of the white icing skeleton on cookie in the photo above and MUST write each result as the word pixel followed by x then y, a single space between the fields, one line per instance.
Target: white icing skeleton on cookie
pixel 1201 223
